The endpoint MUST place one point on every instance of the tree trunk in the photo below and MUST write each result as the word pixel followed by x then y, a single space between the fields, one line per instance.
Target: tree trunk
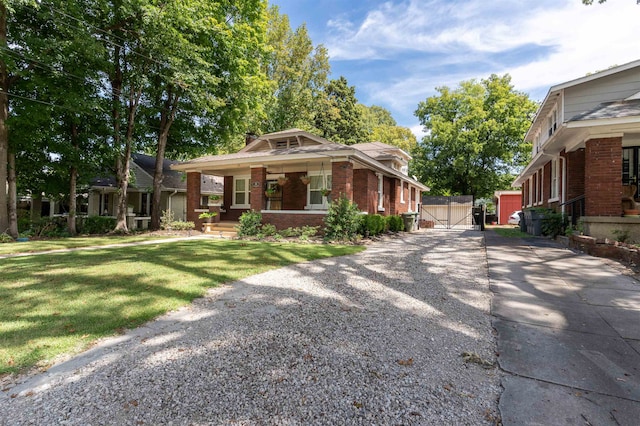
pixel 167 117
pixel 71 220
pixel 12 196
pixel 4 114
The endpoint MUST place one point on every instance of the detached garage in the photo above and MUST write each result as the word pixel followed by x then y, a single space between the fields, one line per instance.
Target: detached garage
pixel 507 202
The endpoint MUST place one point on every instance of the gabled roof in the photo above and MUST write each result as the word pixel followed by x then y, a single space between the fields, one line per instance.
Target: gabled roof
pixel 381 151
pixel 172 179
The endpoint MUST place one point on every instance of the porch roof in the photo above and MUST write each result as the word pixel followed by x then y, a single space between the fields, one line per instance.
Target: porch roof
pixel 300 156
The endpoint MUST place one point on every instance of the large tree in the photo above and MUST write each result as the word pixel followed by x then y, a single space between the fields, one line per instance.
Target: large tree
pixel 338 117
pixel 474 140
pixel 379 125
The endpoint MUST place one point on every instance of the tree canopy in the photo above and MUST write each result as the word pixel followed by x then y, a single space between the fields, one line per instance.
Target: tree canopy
pixel 475 137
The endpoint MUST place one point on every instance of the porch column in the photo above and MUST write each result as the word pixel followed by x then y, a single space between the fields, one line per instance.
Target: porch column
pixel 603 177
pixel 258 182
pixel 342 180
pixel 194 180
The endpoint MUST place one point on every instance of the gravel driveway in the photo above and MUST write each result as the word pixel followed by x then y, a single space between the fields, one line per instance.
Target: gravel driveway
pixel 372 338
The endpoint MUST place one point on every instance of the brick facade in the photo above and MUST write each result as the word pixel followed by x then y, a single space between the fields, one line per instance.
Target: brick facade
pixel 575 173
pixel 366 197
pixel 603 182
pixel 293 220
pixel 342 180
pixel 258 186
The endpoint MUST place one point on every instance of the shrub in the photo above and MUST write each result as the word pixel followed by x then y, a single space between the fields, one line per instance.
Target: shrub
pixel 395 223
pixel 5 238
pixel 250 224
pixel 372 224
pixel 553 224
pixel 166 219
pixel 342 222
pixel 267 230
pixel 180 225
pixel 50 227
pixel 98 225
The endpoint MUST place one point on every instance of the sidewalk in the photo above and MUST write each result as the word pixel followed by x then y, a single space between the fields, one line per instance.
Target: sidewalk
pixel 568 335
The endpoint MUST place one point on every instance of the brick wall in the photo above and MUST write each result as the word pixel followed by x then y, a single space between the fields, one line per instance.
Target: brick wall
pixel 193 197
pixel 293 220
pixel 575 173
pixel 294 192
pixel 366 193
pixel 258 181
pixel 342 180
pixel 603 177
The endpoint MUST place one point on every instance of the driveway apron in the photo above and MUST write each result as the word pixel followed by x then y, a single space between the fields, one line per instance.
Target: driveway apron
pixel 568 335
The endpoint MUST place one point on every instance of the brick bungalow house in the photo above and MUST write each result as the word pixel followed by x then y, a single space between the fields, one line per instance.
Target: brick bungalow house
pixel 291 177
pixel 586 151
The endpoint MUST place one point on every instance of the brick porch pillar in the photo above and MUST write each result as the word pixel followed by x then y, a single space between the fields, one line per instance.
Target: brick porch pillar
pixel 342 180
pixel 194 181
pixel 258 182
pixel 603 177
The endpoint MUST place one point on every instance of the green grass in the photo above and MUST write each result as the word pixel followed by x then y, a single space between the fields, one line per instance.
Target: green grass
pixel 76 242
pixel 60 303
pixel 511 232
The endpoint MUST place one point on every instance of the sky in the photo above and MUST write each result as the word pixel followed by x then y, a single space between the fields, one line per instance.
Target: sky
pixel 396 53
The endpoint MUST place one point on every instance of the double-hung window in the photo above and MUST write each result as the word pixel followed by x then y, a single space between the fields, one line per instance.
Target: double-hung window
pixel 317 196
pixel 380 192
pixel 241 192
pixel 553 194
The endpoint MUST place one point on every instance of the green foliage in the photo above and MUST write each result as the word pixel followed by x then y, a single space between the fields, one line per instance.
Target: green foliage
pixel 304 232
pixel 207 215
pixel 180 225
pixel 49 227
pixel 166 219
pixel 622 235
pixel 250 224
pixel 267 230
pixel 338 117
pixel 395 223
pixel 553 224
pixel 474 137
pixel 343 221
pixel 5 238
pixel 98 225
pixel 379 125
pixel 372 225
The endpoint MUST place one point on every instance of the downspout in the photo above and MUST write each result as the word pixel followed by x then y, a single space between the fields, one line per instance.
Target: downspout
pixel 175 191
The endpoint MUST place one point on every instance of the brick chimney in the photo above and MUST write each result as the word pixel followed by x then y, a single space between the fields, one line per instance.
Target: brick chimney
pixel 249 137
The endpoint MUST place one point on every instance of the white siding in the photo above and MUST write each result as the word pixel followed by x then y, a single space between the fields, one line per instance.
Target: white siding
pixel 586 96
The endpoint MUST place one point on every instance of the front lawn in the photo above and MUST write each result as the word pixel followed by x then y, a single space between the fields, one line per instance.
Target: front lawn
pixel 60 303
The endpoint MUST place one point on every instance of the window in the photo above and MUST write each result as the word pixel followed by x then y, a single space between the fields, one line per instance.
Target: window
pixel 380 191
pixel 553 193
pixel 552 122
pixel 401 192
pixel 540 180
pixel 204 200
pixel 315 197
pixel 145 204
pixel 241 192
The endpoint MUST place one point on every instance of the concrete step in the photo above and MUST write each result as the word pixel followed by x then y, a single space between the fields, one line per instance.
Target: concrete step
pixel 221 229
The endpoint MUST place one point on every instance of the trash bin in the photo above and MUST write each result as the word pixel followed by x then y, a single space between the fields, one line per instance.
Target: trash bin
pixel 410 221
pixel 533 219
pixel 523 223
pixel 478 218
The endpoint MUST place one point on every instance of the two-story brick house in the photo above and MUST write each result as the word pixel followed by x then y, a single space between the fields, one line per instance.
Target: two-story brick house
pixel 586 150
pixel 292 176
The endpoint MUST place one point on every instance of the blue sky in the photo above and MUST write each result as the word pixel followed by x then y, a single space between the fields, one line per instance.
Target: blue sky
pixel 397 52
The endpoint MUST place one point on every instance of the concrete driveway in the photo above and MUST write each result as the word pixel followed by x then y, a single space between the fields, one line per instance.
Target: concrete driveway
pixel 568 335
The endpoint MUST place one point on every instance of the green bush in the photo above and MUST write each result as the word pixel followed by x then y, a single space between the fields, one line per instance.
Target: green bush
pixel 267 230
pixel 553 224
pixel 395 223
pixel 5 238
pixel 98 225
pixel 166 219
pixel 250 224
pixel 342 222
pixel 50 227
pixel 372 224
pixel 180 225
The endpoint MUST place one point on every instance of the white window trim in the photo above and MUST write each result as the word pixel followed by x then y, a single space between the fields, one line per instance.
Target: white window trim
pixel 530 197
pixel 247 192
pixel 402 192
pixel 554 191
pixel 325 204
pixel 380 192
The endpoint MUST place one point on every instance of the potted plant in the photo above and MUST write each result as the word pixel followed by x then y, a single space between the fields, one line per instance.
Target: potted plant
pixel 305 179
pixel 282 180
pixel 325 192
pixel 207 216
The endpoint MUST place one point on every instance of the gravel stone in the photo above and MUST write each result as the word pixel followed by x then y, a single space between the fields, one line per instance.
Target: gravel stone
pixel 369 339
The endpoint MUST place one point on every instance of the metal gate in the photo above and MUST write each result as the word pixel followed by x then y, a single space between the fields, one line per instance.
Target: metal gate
pixel 454 212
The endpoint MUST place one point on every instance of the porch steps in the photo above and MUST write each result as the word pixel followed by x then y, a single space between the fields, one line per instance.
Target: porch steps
pixel 222 229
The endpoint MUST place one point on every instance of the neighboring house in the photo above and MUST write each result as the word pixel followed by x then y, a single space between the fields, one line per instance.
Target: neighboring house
pixel 586 150
pixel 312 171
pixel 506 203
pixel 103 199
